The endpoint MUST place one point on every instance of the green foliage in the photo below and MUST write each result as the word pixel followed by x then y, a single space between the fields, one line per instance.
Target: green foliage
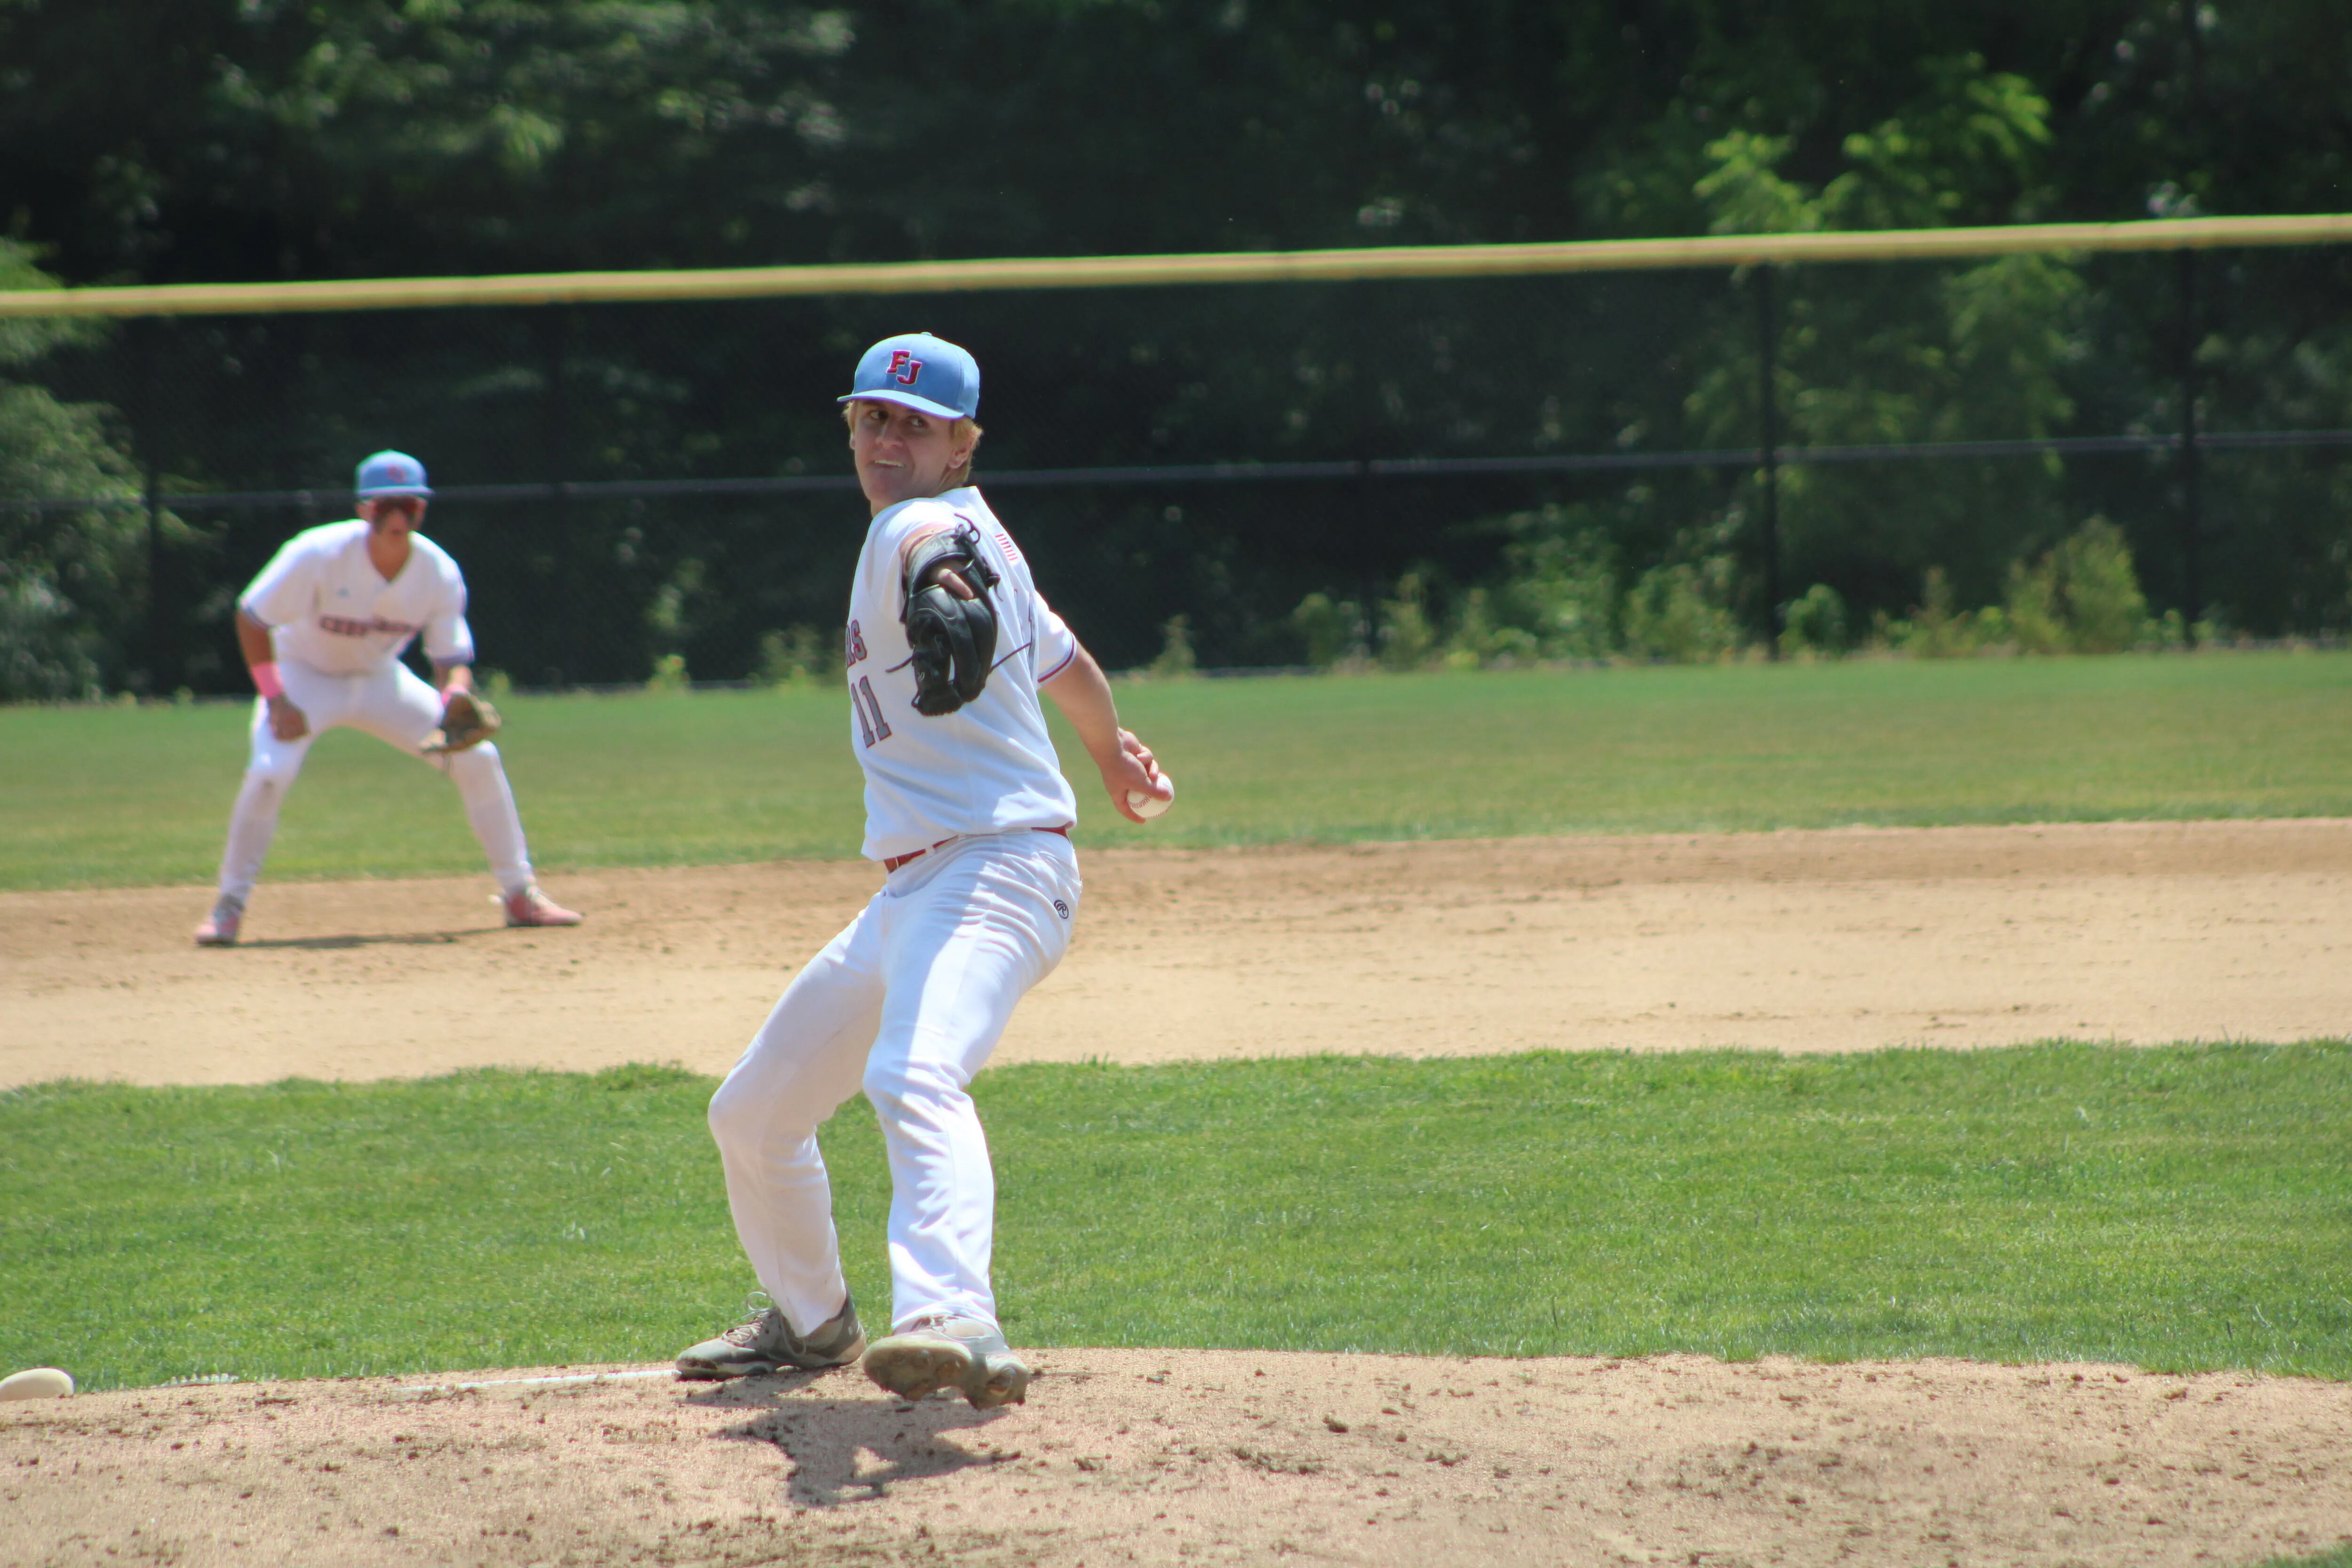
pixel 2034 616
pixel 1556 596
pixel 2173 1207
pixel 1938 627
pixel 1973 139
pixel 1559 601
pixel 452 110
pixel 1677 613
pixel 670 616
pixel 146 140
pixel 1560 586
pixel 46 652
pixel 803 654
pixel 1175 660
pixel 66 576
pixel 110 796
pixel 1991 358
pixel 1478 643
pixel 669 677
pixel 1408 637
pixel 2081 597
pixel 1333 630
pixel 1814 624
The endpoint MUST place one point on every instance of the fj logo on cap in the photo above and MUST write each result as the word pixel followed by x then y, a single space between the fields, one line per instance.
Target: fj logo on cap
pixel 904 367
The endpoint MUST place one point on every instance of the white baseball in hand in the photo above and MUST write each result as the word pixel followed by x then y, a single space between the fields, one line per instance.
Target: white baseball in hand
pixel 1148 805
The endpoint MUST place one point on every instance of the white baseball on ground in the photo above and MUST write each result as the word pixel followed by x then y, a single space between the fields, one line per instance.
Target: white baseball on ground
pixel 1144 805
pixel 36 1382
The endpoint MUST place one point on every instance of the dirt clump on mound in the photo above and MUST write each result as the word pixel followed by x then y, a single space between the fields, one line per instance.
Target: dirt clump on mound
pixel 1204 1456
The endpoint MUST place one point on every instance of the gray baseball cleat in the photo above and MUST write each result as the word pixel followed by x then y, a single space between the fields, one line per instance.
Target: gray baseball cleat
pixel 942 1351
pixel 765 1341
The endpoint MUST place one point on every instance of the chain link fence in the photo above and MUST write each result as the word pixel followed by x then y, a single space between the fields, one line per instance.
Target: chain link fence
pixel 630 484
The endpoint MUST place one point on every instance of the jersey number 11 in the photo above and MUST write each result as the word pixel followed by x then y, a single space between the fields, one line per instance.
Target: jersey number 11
pixel 861 697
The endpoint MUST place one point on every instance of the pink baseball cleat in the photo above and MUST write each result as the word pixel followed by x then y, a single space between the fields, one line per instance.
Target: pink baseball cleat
pixel 532 908
pixel 219 928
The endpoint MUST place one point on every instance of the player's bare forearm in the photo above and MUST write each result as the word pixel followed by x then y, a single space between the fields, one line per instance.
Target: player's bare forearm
pixel 253 640
pixel 1082 694
pixel 453 677
pixel 287 721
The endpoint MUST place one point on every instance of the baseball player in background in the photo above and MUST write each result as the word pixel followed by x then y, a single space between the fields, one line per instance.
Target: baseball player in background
pixel 948 646
pixel 322 630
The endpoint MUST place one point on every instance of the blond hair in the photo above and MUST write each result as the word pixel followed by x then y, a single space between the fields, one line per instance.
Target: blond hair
pixel 963 430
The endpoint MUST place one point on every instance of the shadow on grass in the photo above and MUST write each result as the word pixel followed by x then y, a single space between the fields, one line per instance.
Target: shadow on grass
pixel 825 1439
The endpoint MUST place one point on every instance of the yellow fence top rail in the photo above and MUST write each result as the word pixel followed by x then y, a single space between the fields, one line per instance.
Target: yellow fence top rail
pixel 1133 271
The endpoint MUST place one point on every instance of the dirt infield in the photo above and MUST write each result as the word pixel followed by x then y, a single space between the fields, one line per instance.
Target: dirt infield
pixel 1796 941
pixel 1791 941
pixel 1211 1456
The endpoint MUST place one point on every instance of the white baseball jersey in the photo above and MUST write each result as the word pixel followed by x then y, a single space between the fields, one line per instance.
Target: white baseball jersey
pixel 987 767
pixel 328 607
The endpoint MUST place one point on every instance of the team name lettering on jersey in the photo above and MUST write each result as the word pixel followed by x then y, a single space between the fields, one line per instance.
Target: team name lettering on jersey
pixel 330 608
pixel 343 626
pixel 853 645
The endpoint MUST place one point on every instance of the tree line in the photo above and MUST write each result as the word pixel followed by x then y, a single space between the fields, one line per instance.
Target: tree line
pixel 256 139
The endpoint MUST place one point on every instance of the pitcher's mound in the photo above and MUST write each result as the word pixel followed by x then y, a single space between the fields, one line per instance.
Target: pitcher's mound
pixel 1204 1456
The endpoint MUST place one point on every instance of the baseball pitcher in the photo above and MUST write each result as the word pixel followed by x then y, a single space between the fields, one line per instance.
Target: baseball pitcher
pixel 948 646
pixel 321 630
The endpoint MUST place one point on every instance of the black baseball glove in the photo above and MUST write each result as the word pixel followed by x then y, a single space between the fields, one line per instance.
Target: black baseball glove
pixel 953 638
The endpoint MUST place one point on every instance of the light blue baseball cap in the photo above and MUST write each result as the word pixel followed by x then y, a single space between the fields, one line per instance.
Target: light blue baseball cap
pixel 392 474
pixel 919 371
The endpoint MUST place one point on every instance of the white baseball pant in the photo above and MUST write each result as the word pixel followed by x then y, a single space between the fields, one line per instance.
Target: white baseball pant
pixel 907 1003
pixel 392 704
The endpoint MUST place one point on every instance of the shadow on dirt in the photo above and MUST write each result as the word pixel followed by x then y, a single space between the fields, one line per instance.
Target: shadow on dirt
pixel 855 1450
pixel 385 939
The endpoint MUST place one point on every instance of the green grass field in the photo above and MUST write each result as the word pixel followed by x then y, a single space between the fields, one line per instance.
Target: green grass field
pixel 116 796
pixel 2180 1209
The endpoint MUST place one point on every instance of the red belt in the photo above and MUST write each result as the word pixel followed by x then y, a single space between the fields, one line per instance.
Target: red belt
pixel 895 861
